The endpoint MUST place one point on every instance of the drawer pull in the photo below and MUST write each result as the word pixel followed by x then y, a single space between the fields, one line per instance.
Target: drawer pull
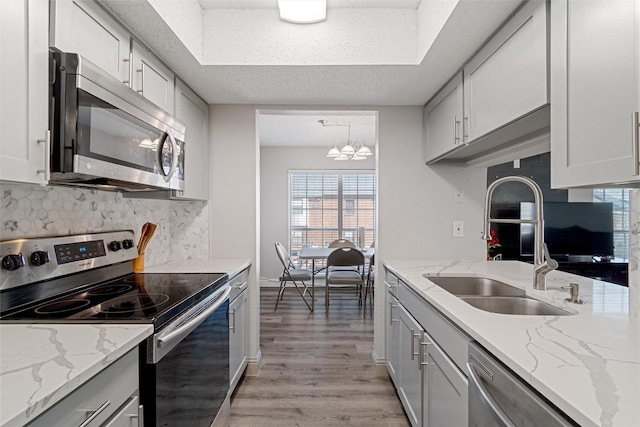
pixel 94 414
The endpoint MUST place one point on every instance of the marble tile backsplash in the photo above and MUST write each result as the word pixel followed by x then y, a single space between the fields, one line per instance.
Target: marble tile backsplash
pixel 35 211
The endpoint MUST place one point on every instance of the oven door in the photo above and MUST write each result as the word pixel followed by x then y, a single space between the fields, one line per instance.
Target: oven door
pixel 185 380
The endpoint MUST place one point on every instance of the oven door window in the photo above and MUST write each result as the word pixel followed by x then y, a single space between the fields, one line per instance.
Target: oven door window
pixel 189 384
pixel 110 134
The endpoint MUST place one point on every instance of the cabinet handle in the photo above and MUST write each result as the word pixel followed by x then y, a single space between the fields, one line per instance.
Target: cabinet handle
pixel 421 361
pixel 413 350
pixel 391 319
pixel 465 125
pixel 130 67
pixel 456 138
pixel 139 415
pixel 233 323
pixel 141 90
pixel 47 156
pixel 93 414
pixel 635 147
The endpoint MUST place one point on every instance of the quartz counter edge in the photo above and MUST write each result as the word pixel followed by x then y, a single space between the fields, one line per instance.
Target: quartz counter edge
pixel 42 363
pixel 587 364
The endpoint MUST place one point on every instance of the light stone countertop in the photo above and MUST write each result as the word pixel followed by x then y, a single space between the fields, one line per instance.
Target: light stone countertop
pixel 587 364
pixel 229 266
pixel 42 363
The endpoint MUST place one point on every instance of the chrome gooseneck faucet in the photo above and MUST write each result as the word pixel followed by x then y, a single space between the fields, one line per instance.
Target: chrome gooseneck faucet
pixel 542 262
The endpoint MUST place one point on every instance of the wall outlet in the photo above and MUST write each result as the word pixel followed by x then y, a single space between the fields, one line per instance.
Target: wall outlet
pixel 457 195
pixel 458 228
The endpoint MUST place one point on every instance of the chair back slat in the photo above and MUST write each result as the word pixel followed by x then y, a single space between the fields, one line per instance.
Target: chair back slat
pixel 345 257
pixel 342 243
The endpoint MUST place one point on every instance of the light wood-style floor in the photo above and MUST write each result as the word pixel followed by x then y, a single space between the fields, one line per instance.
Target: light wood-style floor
pixel 318 369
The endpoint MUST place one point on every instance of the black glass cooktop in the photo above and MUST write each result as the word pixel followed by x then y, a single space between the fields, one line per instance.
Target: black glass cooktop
pixel 139 298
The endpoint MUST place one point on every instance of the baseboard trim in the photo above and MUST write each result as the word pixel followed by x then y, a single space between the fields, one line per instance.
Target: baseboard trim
pixel 380 365
pixel 254 364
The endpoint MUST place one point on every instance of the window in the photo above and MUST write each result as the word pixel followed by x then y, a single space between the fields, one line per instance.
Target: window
pixel 620 199
pixel 328 205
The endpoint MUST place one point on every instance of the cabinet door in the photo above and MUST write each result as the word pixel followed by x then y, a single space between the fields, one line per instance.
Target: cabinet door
pixel 151 78
pixel 83 27
pixel 443 120
pixel 392 336
pixel 411 372
pixel 237 338
pixel 595 73
pixel 446 390
pixel 194 113
pixel 24 53
pixel 507 79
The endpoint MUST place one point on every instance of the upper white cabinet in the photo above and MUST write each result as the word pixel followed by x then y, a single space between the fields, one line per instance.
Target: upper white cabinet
pixel 24 96
pixel 443 120
pixel 500 99
pixel 83 27
pixel 151 78
pixel 507 79
pixel 194 112
pixel 594 92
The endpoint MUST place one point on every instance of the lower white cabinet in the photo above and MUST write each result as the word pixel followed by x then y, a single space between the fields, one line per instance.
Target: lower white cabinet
pixel 411 375
pixel 392 336
pixel 108 399
pixel 446 392
pixel 429 375
pixel 238 328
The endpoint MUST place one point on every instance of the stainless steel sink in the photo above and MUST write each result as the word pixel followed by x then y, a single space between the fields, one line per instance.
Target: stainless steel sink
pixel 475 286
pixel 495 296
pixel 514 305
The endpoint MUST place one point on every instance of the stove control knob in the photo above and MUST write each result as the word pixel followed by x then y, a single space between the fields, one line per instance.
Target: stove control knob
pixel 39 258
pixel 12 262
pixel 127 244
pixel 115 246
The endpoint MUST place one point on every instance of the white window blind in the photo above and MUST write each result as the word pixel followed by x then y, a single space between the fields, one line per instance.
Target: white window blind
pixel 328 205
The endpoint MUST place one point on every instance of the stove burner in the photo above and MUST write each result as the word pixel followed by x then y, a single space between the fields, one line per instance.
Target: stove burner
pixel 110 289
pixel 130 303
pixel 62 306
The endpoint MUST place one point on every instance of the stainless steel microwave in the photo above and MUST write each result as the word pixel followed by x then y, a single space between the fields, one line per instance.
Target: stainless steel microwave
pixel 105 135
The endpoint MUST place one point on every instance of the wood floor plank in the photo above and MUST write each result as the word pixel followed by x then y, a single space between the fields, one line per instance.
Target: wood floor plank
pixel 317 369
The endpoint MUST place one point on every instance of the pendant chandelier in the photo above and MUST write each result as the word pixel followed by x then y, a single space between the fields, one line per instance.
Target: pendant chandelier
pixel 349 149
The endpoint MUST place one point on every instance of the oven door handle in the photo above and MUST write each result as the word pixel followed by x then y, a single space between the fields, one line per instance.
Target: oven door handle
pixel 177 334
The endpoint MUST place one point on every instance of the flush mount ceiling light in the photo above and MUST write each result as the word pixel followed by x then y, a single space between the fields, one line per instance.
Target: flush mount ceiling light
pixel 303 11
pixel 349 150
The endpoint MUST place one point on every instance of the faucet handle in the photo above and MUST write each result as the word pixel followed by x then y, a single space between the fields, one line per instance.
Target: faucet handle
pixel 550 261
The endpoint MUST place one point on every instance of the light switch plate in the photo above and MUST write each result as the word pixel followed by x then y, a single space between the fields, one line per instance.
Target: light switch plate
pixel 458 228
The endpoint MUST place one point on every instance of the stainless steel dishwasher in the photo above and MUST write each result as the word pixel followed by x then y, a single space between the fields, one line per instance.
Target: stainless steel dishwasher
pixel 498 397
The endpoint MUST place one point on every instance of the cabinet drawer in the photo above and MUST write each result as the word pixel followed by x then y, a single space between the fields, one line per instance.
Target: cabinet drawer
pixel 452 340
pixel 392 282
pixel 109 389
pixel 127 416
pixel 238 283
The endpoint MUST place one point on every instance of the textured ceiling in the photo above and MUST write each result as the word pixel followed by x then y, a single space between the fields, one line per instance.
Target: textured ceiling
pixel 178 35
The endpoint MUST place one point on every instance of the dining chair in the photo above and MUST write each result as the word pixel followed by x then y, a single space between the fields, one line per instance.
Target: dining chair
pixel 350 281
pixel 294 275
pixel 369 285
pixel 342 243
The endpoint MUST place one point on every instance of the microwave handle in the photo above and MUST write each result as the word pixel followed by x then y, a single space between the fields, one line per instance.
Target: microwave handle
pixel 174 160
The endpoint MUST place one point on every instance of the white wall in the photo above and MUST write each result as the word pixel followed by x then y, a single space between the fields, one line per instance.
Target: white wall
pixel 415 201
pixel 234 195
pixel 275 163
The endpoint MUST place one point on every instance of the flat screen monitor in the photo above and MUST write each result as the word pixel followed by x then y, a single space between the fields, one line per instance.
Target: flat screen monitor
pixel 570 229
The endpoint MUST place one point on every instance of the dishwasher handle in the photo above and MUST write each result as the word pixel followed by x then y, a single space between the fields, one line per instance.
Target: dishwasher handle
pixel 498 414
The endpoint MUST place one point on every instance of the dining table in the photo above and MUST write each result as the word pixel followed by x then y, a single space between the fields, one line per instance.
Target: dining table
pixel 322 253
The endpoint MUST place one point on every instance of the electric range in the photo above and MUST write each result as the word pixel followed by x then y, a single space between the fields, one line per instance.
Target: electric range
pixel 89 279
